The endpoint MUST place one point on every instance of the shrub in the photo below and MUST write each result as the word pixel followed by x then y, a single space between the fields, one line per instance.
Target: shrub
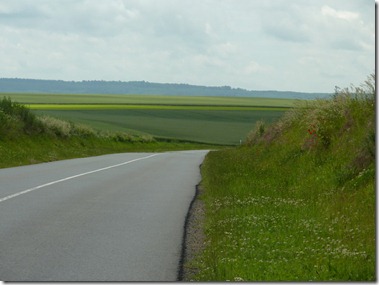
pixel 82 130
pixel 9 126
pixel 17 118
pixel 54 126
pixel 129 138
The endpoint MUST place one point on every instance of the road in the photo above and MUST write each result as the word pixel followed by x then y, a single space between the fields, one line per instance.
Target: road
pixel 116 217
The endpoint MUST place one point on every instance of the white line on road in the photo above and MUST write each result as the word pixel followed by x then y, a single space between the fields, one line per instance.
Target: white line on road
pixel 72 177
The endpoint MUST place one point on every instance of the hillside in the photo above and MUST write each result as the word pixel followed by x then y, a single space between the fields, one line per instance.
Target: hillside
pixel 297 201
pixel 139 87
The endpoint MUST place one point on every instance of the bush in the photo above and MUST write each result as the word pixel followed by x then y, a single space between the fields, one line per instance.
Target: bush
pixel 54 126
pixel 9 126
pixel 17 118
pixel 82 130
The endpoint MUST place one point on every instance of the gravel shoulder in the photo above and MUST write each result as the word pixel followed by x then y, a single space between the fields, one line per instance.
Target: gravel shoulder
pixel 194 237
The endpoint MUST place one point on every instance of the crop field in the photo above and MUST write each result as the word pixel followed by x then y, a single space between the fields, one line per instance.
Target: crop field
pixel 88 99
pixel 212 126
pixel 215 120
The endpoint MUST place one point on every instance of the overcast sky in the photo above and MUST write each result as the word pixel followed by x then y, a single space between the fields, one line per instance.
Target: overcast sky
pixel 297 45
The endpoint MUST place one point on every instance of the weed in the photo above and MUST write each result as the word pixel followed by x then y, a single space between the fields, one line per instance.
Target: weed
pixel 256 134
pixel 311 142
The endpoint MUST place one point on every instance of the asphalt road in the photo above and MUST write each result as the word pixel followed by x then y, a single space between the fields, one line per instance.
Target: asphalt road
pixel 108 218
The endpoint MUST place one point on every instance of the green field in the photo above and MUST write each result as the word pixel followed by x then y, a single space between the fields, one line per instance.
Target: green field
pixel 215 120
pixel 219 127
pixel 146 100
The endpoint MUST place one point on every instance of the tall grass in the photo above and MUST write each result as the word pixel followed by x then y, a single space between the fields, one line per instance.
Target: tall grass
pixel 297 201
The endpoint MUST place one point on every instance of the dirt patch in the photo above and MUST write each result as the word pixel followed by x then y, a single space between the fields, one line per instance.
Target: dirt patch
pixel 194 237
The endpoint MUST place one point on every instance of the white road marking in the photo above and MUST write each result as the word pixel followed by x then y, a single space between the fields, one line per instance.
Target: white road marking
pixel 72 177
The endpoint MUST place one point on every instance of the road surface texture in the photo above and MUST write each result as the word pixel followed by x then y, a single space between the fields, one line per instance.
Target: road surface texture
pixel 116 217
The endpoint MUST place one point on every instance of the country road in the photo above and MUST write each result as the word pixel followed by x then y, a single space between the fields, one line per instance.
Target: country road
pixel 116 217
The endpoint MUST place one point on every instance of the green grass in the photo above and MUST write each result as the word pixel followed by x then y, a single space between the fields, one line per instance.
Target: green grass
pixel 27 149
pixel 297 201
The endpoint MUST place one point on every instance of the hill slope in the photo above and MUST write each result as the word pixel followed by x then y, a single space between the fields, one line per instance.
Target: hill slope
pixel 297 201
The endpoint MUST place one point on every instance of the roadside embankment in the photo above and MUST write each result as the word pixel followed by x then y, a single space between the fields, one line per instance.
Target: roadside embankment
pixel 296 202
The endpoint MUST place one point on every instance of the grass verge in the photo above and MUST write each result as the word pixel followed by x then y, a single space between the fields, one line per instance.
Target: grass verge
pixel 297 201
pixel 36 149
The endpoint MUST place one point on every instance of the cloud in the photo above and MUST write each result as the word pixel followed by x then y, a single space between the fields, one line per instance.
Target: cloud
pixel 344 15
pixel 242 43
pixel 287 30
pixel 286 23
pixel 254 67
pixel 345 30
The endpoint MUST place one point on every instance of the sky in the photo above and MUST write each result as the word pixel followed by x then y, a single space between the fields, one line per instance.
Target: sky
pixel 297 45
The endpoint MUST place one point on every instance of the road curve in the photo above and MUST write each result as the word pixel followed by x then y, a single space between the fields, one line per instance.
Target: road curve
pixel 116 217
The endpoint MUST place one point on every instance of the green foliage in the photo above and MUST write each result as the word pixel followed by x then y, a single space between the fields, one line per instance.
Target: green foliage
pixel 16 118
pixel 297 201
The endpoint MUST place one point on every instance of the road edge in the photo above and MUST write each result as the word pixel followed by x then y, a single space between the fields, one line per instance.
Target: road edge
pixel 193 235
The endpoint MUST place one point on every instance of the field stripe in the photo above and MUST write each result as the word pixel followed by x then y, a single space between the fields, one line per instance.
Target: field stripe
pixel 72 177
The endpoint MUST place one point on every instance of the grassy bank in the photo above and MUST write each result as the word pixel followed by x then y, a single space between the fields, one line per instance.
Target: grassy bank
pixel 297 201
pixel 26 139
pixel 36 149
